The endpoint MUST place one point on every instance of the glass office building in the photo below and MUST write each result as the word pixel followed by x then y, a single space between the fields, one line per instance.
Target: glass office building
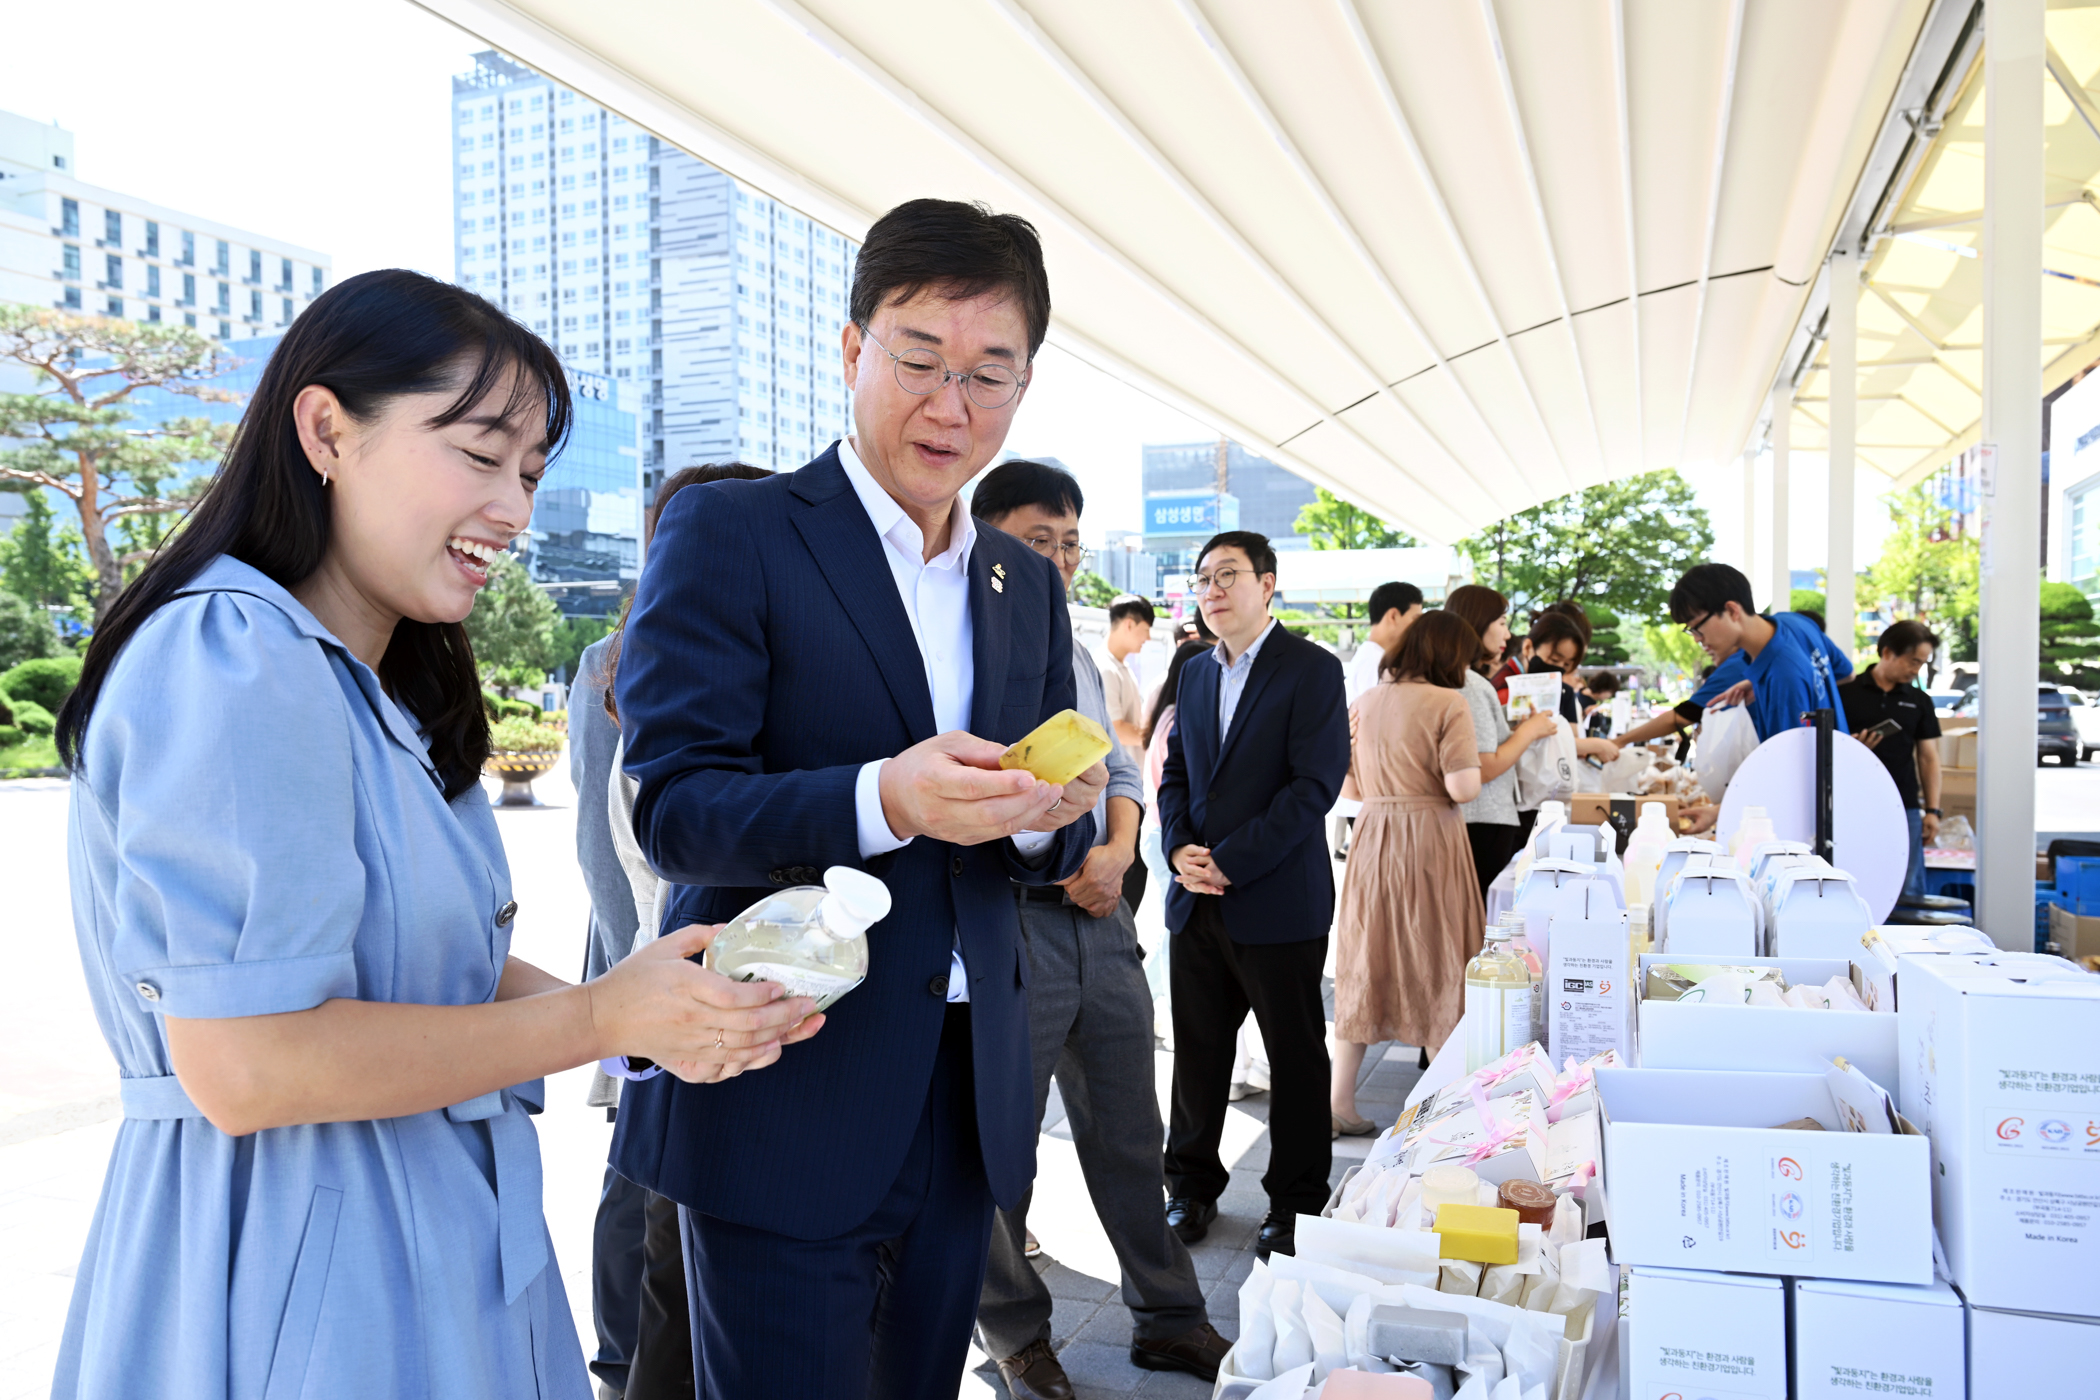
pixel 716 309
pixel 585 542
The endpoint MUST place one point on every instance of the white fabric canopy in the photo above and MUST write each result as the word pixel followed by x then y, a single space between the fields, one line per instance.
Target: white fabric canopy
pixel 1449 259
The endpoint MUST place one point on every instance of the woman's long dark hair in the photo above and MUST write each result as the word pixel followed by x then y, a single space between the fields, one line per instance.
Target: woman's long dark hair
pixel 674 483
pixel 1439 655
pixel 369 339
pixel 1479 606
pixel 1165 698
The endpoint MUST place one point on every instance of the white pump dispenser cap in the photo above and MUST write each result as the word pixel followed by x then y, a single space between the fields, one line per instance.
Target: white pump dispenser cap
pixel 856 900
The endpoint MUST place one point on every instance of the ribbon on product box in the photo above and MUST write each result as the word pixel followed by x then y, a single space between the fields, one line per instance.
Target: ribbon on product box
pixel 1578 1078
pixel 1499 1131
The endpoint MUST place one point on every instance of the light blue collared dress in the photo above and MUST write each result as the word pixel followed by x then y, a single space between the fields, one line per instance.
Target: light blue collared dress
pixel 256 829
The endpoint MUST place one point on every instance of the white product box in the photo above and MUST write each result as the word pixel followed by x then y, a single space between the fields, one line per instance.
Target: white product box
pixel 1854 1339
pixel 1690 1333
pixel 2001 1065
pixel 1816 913
pixel 2025 1356
pixel 1875 977
pixel 1710 1035
pixel 1695 1171
pixel 1713 914
pixel 1675 856
pixel 1589 974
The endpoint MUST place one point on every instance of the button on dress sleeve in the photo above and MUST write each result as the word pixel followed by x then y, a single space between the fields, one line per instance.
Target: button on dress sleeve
pixel 222 746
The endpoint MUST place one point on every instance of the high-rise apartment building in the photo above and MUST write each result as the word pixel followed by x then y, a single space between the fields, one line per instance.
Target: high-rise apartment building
pixel 715 308
pixel 68 244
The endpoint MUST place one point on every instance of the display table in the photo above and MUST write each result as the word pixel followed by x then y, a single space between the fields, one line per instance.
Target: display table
pixel 1949 868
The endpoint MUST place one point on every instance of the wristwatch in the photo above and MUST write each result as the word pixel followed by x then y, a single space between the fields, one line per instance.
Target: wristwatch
pixel 1934 812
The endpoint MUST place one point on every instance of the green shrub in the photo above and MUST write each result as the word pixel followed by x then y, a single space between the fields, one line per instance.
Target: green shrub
pixel 10 736
pixel 47 681
pixel 32 718
pixel 523 736
pixel 500 708
pixel 7 712
pixel 26 632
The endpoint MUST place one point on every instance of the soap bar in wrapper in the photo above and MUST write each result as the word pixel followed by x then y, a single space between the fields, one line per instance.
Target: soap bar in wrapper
pixel 1400 1333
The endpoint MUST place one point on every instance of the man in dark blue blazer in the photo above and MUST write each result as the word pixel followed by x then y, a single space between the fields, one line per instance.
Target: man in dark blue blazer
pixel 822 669
pixel 1256 759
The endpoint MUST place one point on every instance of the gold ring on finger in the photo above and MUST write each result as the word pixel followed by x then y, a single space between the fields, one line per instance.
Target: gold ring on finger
pixel 718 1040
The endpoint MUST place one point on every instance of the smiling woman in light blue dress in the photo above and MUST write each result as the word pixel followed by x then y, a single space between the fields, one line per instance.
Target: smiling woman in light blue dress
pixel 295 911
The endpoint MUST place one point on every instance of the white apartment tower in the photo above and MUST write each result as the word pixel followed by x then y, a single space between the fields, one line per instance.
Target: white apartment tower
pixel 720 308
pixel 76 246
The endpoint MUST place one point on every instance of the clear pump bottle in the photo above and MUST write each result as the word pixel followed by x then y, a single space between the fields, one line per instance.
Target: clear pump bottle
pixel 1520 944
pixel 811 939
pixel 1498 1001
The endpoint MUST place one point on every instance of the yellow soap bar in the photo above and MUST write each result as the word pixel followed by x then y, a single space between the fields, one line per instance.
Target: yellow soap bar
pixel 1487 1234
pixel 1061 748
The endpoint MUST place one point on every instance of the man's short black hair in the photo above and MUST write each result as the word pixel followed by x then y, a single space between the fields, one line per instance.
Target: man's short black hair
pixel 1256 547
pixel 1130 605
pixel 1707 589
pixel 1905 637
pixel 963 250
pixel 1813 616
pixel 1020 483
pixel 1387 596
pixel 1602 683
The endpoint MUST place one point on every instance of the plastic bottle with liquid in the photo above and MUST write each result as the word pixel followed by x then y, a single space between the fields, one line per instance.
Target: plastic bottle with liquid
pixel 1644 852
pixel 1520 944
pixel 1753 831
pixel 1498 1000
pixel 811 939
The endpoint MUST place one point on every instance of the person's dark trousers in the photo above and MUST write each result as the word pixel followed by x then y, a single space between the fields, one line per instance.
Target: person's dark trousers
pixel 1914 876
pixel 663 1347
pixel 1090 1020
pixel 1216 982
pixel 1493 844
pixel 616 1279
pixel 881 1312
pixel 1134 881
pixel 1527 822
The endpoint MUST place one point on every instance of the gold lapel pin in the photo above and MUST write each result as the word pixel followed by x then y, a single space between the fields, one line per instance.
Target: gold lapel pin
pixel 999 569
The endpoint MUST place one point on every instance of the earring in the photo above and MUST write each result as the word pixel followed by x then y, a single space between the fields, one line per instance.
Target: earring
pixel 324 476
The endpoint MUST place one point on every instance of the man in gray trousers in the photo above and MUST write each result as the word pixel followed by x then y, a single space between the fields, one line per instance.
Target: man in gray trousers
pixel 1090 1021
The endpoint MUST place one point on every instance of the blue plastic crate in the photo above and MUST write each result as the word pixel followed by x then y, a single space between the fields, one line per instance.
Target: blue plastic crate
pixel 2045 897
pixel 2078 883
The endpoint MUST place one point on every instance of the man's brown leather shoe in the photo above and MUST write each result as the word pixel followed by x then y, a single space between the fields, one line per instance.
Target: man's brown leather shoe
pixel 1034 1374
pixel 1197 1351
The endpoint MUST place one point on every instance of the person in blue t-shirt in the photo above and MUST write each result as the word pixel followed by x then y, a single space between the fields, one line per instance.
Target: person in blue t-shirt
pixel 1790 666
pixel 1728 683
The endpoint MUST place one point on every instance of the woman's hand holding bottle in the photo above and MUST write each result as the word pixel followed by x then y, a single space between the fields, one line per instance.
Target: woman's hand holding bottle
pixel 655 1004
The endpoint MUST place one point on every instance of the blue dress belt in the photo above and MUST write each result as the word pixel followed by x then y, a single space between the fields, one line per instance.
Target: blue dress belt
pixel 521 1231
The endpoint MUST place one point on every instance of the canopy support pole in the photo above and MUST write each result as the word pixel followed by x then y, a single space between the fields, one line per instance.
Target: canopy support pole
pixel 2009 629
pixel 1782 431
pixel 1750 511
pixel 1841 617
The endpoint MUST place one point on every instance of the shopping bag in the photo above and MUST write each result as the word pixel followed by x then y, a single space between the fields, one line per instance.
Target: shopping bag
pixel 1546 770
pixel 1726 738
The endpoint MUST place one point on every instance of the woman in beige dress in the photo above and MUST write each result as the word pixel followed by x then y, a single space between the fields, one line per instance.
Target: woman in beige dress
pixel 1411 912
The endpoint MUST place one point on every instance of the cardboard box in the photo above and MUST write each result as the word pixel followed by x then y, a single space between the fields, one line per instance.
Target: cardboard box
pixel 2023 1356
pixel 1589 976
pixel 1618 811
pixel 1958 792
pixel 1714 914
pixel 1688 1332
pixel 1709 1035
pixel 2000 1062
pixel 1958 750
pixel 1695 1172
pixel 2075 935
pixel 1853 1339
pixel 1886 945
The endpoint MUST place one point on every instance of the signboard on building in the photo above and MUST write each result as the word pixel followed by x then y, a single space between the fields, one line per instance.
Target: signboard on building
pixel 1190 513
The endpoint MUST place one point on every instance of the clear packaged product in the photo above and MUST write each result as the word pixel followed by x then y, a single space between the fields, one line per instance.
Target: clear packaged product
pixel 811 939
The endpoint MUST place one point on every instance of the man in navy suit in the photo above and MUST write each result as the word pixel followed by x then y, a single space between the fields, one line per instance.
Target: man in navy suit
pixel 1257 757
pixel 822 669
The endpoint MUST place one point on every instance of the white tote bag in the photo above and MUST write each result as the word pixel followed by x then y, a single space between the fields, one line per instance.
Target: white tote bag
pixel 1726 738
pixel 1546 770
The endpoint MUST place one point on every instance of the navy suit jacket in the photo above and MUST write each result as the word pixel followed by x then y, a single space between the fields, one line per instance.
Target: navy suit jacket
pixel 768 657
pixel 1260 800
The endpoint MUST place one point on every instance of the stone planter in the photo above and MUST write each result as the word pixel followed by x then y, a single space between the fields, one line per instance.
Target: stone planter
pixel 517 770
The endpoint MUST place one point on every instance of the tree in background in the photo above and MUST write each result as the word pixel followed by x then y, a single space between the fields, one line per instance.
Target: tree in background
pixel 1671 647
pixel 1928 570
pixel 571 639
pixel 1607 648
pixel 74 435
pixel 26 632
pixel 44 565
pixel 1808 600
pixel 513 627
pixel 1091 590
pixel 1332 523
pixel 1619 546
pixel 2070 641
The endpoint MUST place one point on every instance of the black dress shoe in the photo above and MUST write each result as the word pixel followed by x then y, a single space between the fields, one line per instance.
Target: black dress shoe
pixel 1279 1235
pixel 1035 1374
pixel 1190 1219
pixel 1198 1351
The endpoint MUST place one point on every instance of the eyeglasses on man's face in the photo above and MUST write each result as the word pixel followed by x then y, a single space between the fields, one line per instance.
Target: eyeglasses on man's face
pixel 1223 579
pixel 922 372
pixel 1692 629
pixel 1073 552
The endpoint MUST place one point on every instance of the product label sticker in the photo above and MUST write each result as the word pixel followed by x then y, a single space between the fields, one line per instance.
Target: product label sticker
pixel 1588 1012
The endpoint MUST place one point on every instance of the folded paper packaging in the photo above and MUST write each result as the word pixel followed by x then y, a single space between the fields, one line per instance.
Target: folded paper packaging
pixel 1694 1333
pixel 1695 1172
pixel 1706 1035
pixel 2000 1060
pixel 1853 1339
pixel 2023 1355
pixel 1883 947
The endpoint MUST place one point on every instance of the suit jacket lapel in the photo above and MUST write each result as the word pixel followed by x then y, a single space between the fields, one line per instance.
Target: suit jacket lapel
pixel 849 553
pixel 990 639
pixel 1266 662
pixel 1199 695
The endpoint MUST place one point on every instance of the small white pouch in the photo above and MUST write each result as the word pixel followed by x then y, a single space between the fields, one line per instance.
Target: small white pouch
pixel 1255 1353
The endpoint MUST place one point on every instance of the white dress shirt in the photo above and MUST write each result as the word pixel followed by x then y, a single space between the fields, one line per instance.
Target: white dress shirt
pixel 936 598
pixel 1363 670
pixel 1233 683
